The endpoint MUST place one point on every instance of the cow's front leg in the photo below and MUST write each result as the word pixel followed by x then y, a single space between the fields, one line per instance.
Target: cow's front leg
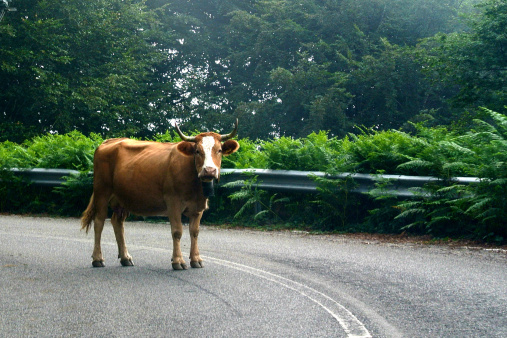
pixel 195 258
pixel 177 260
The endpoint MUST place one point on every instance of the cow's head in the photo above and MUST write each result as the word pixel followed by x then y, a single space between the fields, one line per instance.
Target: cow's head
pixel 208 149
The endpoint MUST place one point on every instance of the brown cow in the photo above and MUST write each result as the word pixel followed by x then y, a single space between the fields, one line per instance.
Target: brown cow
pixel 155 179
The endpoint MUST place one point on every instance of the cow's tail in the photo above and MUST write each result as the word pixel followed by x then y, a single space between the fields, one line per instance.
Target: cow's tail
pixel 88 215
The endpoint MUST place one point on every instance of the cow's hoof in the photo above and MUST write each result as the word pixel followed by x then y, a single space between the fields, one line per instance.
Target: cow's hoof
pixel 196 264
pixel 178 266
pixel 98 264
pixel 127 262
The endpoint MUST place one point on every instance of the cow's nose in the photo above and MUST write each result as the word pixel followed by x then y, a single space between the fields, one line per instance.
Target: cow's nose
pixel 209 172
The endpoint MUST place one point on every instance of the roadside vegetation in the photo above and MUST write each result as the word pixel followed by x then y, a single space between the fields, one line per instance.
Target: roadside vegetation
pixel 447 210
pixel 413 87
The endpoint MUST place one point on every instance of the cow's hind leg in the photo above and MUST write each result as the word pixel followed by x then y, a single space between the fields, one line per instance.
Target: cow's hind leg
pixel 98 226
pixel 195 258
pixel 117 220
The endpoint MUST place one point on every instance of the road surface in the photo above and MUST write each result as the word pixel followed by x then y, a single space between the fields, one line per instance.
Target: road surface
pixel 254 284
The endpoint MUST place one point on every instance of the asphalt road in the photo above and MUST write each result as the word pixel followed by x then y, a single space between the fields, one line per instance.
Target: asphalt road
pixel 254 284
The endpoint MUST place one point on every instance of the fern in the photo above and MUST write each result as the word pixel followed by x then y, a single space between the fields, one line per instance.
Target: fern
pixel 455 149
pixel 253 197
pixel 458 168
pixel 484 128
pixel 412 225
pixel 416 166
pixel 234 184
pixel 479 205
pixel 500 120
pixel 411 212
pixel 446 208
pixel 239 195
pixel 247 205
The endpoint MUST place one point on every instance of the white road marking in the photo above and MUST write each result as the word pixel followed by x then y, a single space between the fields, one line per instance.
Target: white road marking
pixel 349 323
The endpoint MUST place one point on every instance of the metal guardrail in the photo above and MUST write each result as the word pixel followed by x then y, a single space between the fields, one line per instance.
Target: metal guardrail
pixel 301 181
pixel 43 177
pixel 275 180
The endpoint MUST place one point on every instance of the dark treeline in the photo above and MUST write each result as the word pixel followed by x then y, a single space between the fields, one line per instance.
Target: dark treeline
pixel 125 67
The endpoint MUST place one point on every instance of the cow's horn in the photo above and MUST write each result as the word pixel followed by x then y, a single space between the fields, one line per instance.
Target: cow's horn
pixel 232 134
pixel 183 136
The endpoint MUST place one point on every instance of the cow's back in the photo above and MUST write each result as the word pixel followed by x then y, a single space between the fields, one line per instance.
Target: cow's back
pixel 140 174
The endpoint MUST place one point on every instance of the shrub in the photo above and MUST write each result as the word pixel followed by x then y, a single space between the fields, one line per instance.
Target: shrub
pixel 69 151
pixel 447 209
pixel 13 155
pixel 477 210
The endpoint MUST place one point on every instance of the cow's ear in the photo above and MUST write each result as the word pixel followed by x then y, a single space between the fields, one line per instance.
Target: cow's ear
pixel 186 148
pixel 229 147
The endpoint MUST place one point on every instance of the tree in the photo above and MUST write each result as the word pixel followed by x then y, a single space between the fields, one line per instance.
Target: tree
pixel 310 98
pixel 79 65
pixel 285 67
pixel 475 62
pixel 390 88
pixel 333 64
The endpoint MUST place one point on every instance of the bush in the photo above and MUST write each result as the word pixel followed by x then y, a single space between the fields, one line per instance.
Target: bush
pixel 474 211
pixel 448 209
pixel 13 155
pixel 69 151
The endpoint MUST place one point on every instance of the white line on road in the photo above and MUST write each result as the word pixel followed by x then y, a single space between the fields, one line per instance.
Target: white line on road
pixel 350 324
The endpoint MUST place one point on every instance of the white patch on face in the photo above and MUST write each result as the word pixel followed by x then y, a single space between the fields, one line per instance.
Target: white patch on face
pixel 208 143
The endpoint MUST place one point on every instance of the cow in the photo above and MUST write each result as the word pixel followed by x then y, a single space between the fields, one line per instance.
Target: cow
pixel 149 178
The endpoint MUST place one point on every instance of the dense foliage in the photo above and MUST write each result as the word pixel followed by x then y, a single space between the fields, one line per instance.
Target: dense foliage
pixel 300 75
pixel 447 209
pixel 284 67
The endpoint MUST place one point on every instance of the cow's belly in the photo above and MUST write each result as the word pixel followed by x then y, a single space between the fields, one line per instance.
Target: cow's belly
pixel 144 209
pixel 141 206
pixel 139 193
pixel 147 210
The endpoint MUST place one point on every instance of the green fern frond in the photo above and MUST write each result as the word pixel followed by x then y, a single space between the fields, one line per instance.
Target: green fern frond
pixel 234 184
pixel 499 182
pixel 489 214
pixel 282 200
pixel 435 203
pixel 458 168
pixel 500 120
pixel 409 204
pixel 245 206
pixel 239 195
pixel 500 143
pixel 274 200
pixel 456 149
pixel 261 214
pixel 412 225
pixel 415 164
pixel 456 188
pixel 484 127
pixel 436 220
pixel 411 212
pixel 457 210
pixel 479 205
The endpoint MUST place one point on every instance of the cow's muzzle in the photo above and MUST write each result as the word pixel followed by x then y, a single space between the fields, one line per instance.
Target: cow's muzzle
pixel 208 174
